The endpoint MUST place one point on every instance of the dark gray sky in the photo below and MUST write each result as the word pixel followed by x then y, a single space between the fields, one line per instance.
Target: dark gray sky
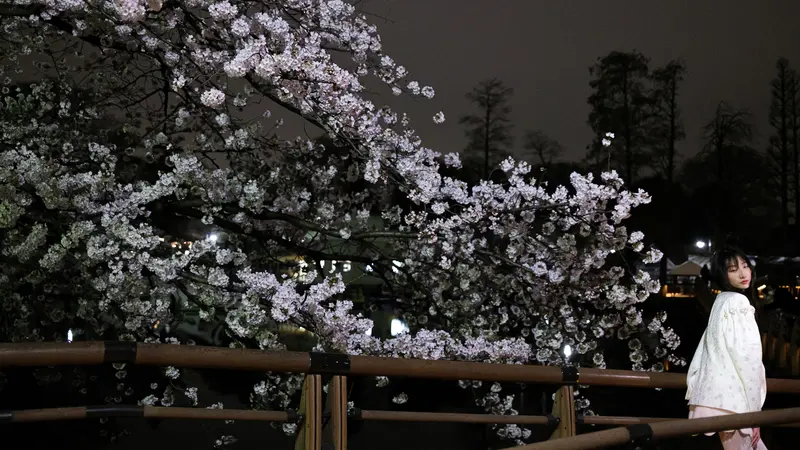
pixel 543 50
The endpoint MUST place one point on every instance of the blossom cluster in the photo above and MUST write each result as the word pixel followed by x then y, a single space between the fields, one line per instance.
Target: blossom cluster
pixel 95 182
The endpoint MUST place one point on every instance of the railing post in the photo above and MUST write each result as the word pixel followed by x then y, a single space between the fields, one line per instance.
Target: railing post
pixel 564 403
pixel 334 433
pixel 564 411
pixel 795 361
pixel 773 349
pixel 784 360
pixel 310 430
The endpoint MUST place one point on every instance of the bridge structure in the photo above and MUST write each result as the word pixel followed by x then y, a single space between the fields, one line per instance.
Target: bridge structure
pixel 323 414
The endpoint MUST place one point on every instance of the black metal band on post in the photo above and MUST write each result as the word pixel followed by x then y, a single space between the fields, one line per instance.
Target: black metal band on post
pixel 570 375
pixel 119 352
pixel 552 421
pixel 640 435
pixel 328 363
pixel 292 416
pixel 94 412
pixel 354 414
pixel 6 416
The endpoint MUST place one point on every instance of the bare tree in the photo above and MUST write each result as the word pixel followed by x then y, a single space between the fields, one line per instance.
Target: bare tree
pixel 666 117
pixel 794 139
pixel 727 142
pixel 489 130
pixel 780 146
pixel 546 149
pixel 728 132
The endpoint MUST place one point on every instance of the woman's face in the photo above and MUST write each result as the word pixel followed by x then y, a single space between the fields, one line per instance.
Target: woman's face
pixel 739 273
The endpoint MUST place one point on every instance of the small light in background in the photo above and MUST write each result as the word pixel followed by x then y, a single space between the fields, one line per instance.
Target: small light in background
pixel 567 351
pixel 69 335
pixel 398 327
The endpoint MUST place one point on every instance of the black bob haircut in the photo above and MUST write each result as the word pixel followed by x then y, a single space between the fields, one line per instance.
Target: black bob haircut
pixel 723 259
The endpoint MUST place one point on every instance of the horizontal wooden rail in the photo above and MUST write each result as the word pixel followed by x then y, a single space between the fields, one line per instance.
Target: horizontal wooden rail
pixel 411 416
pixel 146 412
pixel 615 421
pixel 642 433
pixel 195 356
pixel 160 412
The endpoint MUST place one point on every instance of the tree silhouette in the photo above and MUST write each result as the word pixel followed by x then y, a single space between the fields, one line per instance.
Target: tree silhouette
pixel 489 130
pixel 794 139
pixel 620 105
pixel 727 133
pixel 545 148
pixel 780 146
pixel 666 120
pixel 732 178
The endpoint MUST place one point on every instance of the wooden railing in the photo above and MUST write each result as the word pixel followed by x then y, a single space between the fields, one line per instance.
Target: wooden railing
pixel 323 418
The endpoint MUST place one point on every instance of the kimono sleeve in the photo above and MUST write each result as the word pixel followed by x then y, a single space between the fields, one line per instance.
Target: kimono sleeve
pixel 743 343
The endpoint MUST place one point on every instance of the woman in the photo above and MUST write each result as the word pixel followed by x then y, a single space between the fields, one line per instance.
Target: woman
pixel 727 374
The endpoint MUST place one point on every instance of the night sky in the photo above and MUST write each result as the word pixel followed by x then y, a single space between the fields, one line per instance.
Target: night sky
pixel 543 50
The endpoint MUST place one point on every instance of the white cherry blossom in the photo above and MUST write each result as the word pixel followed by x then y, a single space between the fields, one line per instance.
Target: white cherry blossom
pixel 133 134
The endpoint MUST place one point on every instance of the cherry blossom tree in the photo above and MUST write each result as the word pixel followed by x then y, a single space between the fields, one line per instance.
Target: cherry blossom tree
pixel 123 119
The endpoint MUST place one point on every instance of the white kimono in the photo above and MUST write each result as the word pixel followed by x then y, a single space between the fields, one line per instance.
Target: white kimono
pixel 727 375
